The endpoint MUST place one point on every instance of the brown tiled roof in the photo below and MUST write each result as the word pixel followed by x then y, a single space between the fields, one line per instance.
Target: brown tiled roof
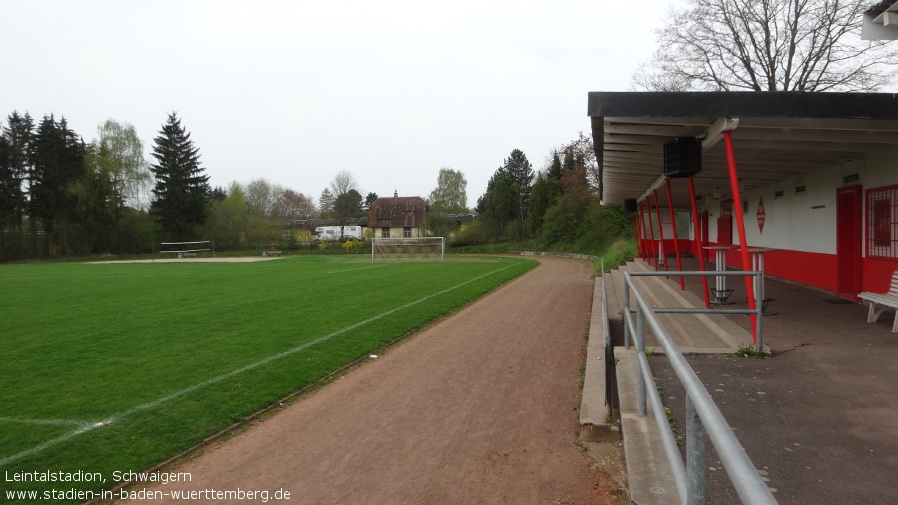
pixel 397 212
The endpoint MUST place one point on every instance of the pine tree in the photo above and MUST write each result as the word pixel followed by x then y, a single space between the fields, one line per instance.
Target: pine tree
pixel 520 173
pixel 182 188
pixel 326 203
pixel 57 163
pixel 16 164
pixel 554 172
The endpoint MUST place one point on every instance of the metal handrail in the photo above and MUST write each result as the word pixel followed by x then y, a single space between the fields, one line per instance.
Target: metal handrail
pixel 702 415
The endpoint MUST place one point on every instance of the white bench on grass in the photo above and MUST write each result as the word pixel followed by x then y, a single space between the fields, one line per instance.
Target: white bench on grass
pixel 880 303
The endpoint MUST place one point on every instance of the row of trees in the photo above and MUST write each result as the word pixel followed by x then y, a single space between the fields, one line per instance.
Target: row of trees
pixel 554 208
pixel 60 195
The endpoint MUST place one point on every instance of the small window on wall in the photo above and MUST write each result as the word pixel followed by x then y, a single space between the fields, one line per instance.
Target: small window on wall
pixel 726 208
pixel 882 222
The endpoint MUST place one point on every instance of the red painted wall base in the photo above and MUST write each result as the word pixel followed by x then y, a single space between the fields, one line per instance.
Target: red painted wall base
pixel 813 269
pixel 876 274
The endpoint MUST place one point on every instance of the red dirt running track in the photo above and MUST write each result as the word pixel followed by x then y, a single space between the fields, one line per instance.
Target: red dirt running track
pixel 481 407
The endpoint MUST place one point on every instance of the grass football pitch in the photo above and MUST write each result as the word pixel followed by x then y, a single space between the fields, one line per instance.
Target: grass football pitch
pixel 118 367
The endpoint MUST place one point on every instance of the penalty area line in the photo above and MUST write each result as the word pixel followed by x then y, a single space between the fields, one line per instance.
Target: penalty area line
pixel 87 427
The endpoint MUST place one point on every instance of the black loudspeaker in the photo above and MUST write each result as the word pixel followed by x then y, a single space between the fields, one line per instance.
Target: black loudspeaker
pixel 630 205
pixel 682 157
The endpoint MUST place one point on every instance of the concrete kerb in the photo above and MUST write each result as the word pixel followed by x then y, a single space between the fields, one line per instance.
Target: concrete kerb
pixel 596 423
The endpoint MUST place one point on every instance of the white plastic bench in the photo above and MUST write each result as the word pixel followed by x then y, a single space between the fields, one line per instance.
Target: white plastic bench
pixel 881 302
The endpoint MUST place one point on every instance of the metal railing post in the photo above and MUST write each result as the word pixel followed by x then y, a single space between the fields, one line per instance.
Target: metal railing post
pixel 640 349
pixel 695 456
pixel 703 417
pixel 759 306
pixel 627 330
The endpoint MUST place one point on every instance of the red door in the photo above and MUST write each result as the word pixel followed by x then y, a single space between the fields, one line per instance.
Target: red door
pixel 848 241
pixel 725 223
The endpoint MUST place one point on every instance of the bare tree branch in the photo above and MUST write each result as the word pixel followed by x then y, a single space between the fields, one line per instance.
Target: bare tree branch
pixel 767 45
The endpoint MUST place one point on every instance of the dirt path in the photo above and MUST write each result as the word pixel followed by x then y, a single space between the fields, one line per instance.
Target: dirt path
pixel 479 408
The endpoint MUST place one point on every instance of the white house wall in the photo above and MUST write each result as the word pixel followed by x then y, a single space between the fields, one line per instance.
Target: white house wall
pixel 803 225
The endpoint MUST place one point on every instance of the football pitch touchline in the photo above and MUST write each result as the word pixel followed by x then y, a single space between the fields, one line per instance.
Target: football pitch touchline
pixel 52 422
pixel 87 427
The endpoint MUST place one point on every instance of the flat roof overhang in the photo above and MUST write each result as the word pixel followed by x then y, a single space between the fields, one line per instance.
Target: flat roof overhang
pixel 880 22
pixel 780 136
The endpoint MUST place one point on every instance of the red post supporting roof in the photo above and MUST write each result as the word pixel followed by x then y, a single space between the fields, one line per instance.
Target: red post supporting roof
pixel 641 238
pixel 643 234
pixel 673 223
pixel 635 224
pixel 660 233
pixel 646 245
pixel 740 223
pixel 698 242
pixel 636 218
pixel 648 211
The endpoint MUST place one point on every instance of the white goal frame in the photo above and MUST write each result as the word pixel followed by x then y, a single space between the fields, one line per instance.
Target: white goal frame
pixel 408 249
pixel 188 247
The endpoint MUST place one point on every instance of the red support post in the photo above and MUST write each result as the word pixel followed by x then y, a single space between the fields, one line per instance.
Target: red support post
pixel 698 242
pixel 660 233
pixel 673 224
pixel 636 218
pixel 635 224
pixel 645 232
pixel 644 235
pixel 648 212
pixel 740 223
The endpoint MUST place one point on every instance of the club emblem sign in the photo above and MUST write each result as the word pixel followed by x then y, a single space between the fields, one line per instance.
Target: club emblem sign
pixel 762 216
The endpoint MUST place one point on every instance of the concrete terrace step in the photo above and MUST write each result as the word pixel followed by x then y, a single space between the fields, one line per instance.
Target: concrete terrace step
pixel 693 333
pixel 616 277
pixel 650 479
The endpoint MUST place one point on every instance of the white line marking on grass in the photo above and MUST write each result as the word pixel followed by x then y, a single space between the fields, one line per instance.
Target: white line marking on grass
pixel 84 428
pixel 352 269
pixel 55 422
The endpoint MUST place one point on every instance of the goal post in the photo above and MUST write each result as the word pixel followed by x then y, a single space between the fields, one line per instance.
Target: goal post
pixel 187 248
pixel 408 249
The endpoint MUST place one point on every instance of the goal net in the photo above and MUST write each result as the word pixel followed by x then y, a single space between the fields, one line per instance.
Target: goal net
pixel 187 249
pixel 408 249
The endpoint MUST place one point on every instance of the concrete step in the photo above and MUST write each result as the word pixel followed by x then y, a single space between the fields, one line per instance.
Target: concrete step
pixel 650 479
pixel 615 286
pixel 657 297
pixel 693 333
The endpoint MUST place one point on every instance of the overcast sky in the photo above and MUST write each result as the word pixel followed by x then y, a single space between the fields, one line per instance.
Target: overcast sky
pixel 296 91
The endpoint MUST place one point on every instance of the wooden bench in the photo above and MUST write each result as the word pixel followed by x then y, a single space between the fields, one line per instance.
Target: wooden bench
pixel 189 255
pixel 274 253
pixel 880 303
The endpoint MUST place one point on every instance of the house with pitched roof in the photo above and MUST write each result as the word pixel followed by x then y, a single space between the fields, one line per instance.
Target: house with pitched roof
pixel 397 217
